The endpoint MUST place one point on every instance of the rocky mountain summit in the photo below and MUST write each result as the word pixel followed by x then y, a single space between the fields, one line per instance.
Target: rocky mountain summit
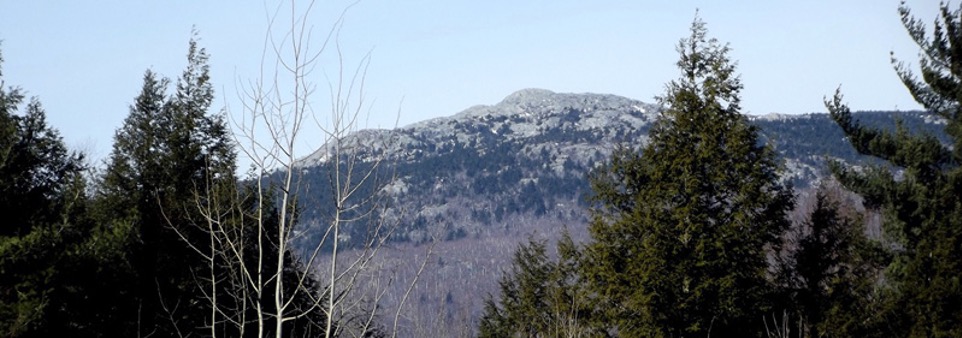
pixel 525 160
pixel 536 118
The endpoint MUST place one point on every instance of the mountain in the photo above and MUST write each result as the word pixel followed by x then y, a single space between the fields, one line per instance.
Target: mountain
pixel 489 167
pixel 487 178
pixel 526 160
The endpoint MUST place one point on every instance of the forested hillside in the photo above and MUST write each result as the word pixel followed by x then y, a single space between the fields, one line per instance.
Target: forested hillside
pixel 527 158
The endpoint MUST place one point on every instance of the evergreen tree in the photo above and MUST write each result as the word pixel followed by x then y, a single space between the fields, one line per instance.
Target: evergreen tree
pixel 541 297
pixel 124 262
pixel 831 271
pixel 922 200
pixel 681 230
pixel 34 163
pixel 170 183
pixel 42 199
pixel 167 155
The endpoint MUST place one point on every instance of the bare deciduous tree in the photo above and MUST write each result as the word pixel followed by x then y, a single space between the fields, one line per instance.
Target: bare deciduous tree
pixel 251 228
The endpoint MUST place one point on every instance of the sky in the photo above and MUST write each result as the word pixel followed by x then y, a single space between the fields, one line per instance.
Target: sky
pixel 429 58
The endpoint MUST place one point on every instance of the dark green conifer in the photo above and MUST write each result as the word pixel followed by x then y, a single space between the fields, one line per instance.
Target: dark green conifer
pixel 170 180
pixel 541 296
pixel 169 156
pixel 921 199
pixel 41 197
pixel 681 230
pixel 831 270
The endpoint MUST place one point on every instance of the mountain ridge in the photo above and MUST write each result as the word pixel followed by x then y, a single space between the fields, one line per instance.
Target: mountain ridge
pixel 484 179
pixel 526 159
pixel 520 106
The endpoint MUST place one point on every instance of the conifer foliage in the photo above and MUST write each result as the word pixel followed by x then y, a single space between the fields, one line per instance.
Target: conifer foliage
pixel 167 150
pixel 541 296
pixel 831 269
pixel 922 201
pixel 41 187
pixel 170 184
pixel 681 229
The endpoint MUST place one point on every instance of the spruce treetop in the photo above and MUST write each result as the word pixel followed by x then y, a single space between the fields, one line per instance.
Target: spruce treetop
pixel 681 229
pixel 708 77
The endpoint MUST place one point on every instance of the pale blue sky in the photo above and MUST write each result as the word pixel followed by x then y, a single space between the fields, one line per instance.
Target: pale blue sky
pixel 85 60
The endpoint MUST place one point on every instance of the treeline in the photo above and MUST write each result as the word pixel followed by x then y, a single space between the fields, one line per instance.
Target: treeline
pixel 691 237
pixel 163 240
